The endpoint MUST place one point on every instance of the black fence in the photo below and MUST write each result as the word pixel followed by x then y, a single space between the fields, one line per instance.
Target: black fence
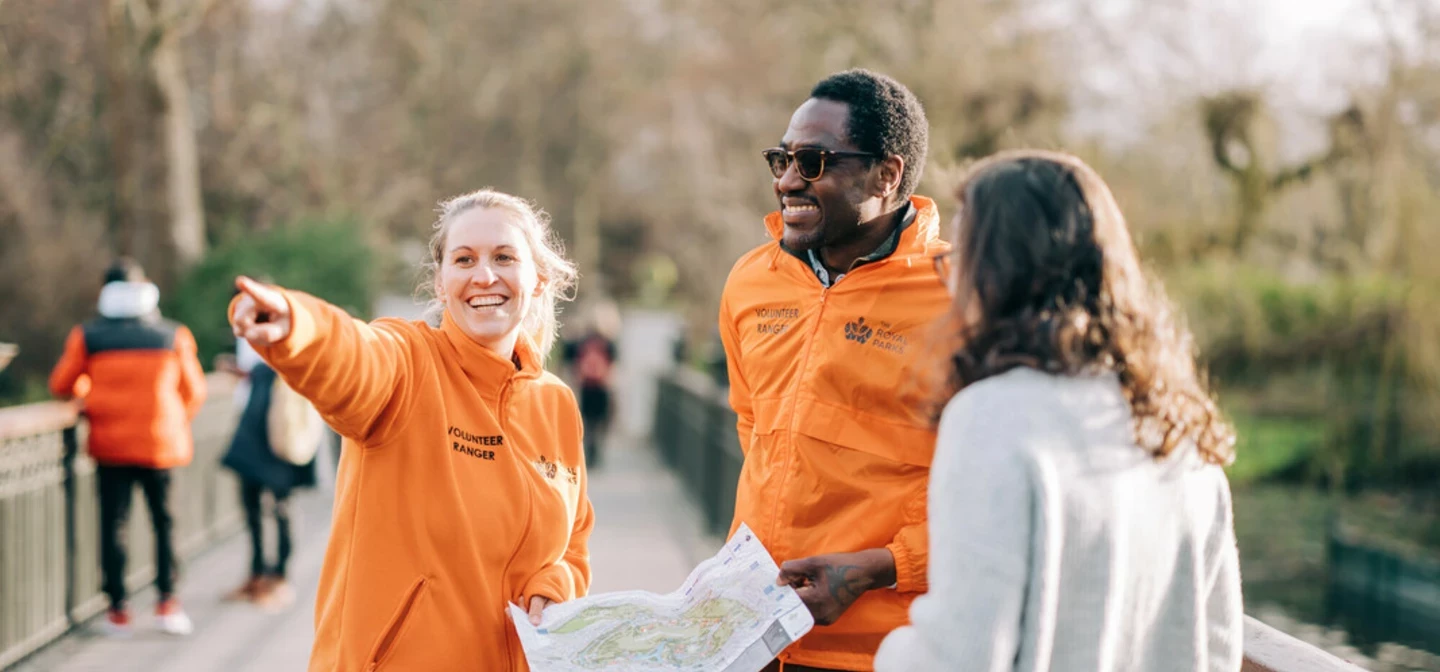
pixel 695 434
pixel 49 517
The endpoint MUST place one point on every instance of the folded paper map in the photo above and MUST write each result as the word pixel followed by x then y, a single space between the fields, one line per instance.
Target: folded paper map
pixel 728 616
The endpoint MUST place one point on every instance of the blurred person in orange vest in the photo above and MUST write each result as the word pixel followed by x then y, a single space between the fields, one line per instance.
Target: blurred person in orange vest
pixel 462 487
pixel 1080 518
pixel 821 329
pixel 141 384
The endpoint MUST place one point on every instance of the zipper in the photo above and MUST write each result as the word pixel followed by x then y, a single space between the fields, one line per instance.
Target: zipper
pixel 804 366
pixel 387 642
pixel 504 401
pixel 522 463
pixel 795 403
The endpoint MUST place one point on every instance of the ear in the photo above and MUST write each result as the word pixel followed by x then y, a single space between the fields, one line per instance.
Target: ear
pixel 541 283
pixel 887 179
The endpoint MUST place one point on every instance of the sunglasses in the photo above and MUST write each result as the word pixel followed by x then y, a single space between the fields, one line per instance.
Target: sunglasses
pixel 810 163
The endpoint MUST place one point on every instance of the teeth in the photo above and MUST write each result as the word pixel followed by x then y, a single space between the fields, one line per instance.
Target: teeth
pixel 486 301
pixel 800 208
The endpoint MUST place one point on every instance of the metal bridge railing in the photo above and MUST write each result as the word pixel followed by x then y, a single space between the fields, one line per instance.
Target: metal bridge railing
pixel 49 517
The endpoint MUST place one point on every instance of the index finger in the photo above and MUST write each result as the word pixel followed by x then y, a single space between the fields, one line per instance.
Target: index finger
pixel 266 298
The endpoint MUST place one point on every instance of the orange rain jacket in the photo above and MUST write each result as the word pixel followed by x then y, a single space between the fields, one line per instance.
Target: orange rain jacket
pixel 837 449
pixel 464 490
pixel 140 378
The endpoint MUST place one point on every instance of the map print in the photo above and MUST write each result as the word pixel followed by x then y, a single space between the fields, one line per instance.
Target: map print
pixel 728 616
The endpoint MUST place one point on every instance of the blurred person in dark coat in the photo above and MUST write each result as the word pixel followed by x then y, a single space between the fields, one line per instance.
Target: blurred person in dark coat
pixel 253 459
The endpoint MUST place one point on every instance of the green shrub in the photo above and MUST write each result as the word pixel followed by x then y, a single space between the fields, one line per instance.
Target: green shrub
pixel 1245 318
pixel 1344 337
pixel 1269 446
pixel 329 259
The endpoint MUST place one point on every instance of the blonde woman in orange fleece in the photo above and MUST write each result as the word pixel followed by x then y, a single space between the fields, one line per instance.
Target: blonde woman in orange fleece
pixel 462 487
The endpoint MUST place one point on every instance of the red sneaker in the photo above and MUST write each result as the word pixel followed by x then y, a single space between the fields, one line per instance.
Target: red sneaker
pixel 276 594
pixel 116 623
pixel 247 591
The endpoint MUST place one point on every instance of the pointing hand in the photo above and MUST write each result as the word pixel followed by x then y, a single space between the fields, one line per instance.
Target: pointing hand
pixel 262 315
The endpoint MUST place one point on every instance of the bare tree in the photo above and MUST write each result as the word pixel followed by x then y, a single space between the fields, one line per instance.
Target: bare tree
pixel 161 26
pixel 1229 121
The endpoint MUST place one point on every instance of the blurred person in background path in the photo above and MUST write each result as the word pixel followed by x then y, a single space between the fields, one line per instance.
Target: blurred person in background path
pixel 263 473
pixel 141 383
pixel 464 487
pixel 820 327
pixel 1080 518
pixel 591 360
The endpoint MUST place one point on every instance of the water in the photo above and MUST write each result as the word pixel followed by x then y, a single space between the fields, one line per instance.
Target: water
pixel 1282 537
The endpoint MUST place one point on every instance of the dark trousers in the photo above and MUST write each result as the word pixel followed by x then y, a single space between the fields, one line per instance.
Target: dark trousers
pixel 250 494
pixel 117 485
pixel 595 413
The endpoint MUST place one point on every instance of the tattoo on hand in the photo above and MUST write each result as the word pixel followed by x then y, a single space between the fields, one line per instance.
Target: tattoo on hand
pixel 846 583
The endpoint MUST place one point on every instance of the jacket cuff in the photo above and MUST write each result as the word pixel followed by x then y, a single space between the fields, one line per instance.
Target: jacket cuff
pixel 555 582
pixel 909 576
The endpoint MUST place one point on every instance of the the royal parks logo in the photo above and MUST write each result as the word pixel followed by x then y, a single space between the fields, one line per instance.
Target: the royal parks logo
pixel 880 335
pixel 858 331
pixel 551 469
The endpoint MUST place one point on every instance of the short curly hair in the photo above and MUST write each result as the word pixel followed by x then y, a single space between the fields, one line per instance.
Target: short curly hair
pixel 885 118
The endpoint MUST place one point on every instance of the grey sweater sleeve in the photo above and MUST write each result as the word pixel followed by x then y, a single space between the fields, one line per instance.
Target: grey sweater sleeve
pixel 1224 608
pixel 982 503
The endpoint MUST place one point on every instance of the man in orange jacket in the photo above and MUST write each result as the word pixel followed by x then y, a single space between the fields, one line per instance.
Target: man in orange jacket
pixel 142 384
pixel 822 327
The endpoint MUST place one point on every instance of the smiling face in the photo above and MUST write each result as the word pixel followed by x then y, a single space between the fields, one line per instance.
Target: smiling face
pixel 829 210
pixel 487 277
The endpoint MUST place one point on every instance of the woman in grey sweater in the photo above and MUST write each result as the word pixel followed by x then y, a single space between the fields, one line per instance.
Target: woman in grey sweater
pixel 1079 515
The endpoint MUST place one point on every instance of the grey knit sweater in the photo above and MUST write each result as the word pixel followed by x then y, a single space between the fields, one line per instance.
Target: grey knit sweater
pixel 1056 543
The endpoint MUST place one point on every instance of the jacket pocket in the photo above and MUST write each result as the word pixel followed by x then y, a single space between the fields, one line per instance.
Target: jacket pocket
pixel 385 646
pixel 768 418
pixel 880 435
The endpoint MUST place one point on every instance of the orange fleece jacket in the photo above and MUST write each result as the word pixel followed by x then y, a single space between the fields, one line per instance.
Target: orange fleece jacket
pixel 461 488
pixel 837 444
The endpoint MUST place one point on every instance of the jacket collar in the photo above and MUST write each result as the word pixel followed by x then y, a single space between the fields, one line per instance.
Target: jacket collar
pixel 484 367
pixel 915 239
pixel 919 232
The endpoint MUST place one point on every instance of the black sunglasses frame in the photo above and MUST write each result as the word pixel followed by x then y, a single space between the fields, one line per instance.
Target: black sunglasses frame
pixel 778 168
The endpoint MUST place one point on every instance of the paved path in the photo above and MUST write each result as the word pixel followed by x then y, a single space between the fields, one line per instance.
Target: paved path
pixel 646 537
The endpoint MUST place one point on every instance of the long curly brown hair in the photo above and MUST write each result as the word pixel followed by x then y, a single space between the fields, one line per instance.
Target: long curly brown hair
pixel 1047 277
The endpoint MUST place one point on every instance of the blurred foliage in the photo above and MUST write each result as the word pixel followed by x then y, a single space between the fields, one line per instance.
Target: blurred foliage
pixel 1318 369
pixel 1306 270
pixel 285 255
pixel 1271 445
pixel 1250 321
pixel 1384 520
